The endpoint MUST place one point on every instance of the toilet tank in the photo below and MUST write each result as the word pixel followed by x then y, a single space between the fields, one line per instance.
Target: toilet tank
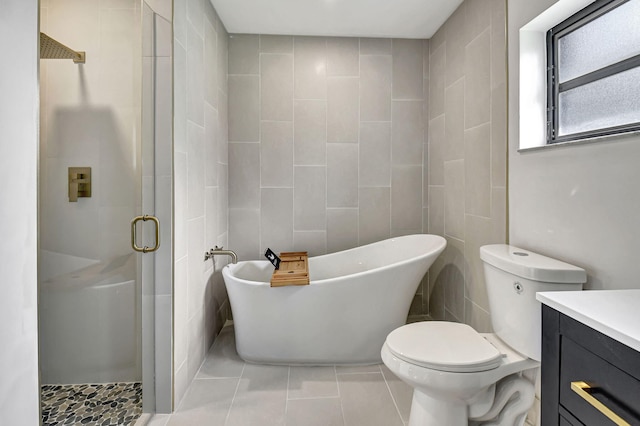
pixel 513 276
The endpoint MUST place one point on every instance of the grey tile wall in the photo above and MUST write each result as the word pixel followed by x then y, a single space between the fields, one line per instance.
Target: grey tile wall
pixel 342 229
pixel 407 133
pixel 309 198
pixel 327 140
pixel 375 160
pixel 375 87
pixel 244 108
pixel 310 67
pixel 356 140
pixel 467 156
pixel 407 69
pixel 342 175
pixel 310 132
pixel 201 123
pixel 342 109
pixel 276 87
pixel 276 154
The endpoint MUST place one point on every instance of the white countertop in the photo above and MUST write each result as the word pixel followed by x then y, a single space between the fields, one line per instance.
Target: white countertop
pixel 615 313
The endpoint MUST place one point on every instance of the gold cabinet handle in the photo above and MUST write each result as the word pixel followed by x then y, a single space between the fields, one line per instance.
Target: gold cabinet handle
pixel 583 389
pixel 144 218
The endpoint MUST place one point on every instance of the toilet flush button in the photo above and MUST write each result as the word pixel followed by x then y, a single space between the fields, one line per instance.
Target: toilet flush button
pixel 519 288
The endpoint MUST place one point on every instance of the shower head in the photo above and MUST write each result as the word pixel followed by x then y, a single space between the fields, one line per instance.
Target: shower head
pixel 52 49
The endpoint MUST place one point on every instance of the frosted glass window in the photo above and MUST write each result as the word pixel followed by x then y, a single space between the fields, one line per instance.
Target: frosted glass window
pixel 610 38
pixel 593 72
pixel 610 102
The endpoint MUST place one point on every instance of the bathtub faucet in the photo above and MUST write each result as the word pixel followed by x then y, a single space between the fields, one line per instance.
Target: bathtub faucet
pixel 219 250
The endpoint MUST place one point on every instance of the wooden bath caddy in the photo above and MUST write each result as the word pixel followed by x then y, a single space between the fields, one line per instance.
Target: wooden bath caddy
pixel 294 269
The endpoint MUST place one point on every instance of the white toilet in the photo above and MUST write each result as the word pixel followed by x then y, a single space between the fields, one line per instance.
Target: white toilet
pixel 463 377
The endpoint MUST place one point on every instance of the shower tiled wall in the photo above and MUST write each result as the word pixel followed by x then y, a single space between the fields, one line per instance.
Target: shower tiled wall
pixel 200 183
pixel 467 156
pixel 75 100
pixel 326 142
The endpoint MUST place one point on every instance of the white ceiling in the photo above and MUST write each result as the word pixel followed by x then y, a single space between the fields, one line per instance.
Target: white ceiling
pixel 346 18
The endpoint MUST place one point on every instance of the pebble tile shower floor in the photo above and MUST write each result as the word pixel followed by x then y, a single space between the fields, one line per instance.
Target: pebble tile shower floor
pixel 101 405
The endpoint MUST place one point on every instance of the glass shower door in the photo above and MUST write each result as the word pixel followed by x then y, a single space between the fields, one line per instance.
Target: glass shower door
pixel 91 186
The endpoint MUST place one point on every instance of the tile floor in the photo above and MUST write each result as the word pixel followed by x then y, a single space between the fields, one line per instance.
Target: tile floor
pixel 227 391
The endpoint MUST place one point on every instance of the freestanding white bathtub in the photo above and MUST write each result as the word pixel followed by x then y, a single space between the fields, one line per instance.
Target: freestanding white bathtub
pixel 355 298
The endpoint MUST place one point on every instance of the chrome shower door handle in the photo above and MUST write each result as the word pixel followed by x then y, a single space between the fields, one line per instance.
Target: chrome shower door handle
pixel 134 244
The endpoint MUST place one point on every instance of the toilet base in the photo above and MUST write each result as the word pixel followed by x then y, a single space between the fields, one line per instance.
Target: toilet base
pixel 428 411
pixel 508 403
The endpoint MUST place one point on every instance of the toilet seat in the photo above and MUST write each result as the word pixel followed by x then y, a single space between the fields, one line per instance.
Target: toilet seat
pixel 443 346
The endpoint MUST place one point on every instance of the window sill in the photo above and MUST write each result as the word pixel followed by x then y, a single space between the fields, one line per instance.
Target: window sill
pixel 606 138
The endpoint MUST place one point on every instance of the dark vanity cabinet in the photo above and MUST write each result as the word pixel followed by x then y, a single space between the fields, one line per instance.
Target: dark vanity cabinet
pixel 588 378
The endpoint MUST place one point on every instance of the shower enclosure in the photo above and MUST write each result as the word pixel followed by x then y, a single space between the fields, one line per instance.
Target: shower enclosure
pixel 98 172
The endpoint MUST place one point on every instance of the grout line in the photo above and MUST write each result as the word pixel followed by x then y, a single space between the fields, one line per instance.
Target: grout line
pixel 286 398
pixel 326 146
pixel 409 99
pixel 226 419
pixel 274 53
pixel 391 393
pixel 335 372
pixel 309 99
pixel 344 420
pixel 291 230
pixel 357 372
pixel 390 152
pixel 359 142
pixel 216 378
pixel 311 398
pixel 260 147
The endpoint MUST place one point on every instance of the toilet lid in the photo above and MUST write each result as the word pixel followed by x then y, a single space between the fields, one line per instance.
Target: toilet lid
pixel 444 346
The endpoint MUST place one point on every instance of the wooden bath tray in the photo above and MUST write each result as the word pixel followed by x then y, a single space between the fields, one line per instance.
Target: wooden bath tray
pixel 294 269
